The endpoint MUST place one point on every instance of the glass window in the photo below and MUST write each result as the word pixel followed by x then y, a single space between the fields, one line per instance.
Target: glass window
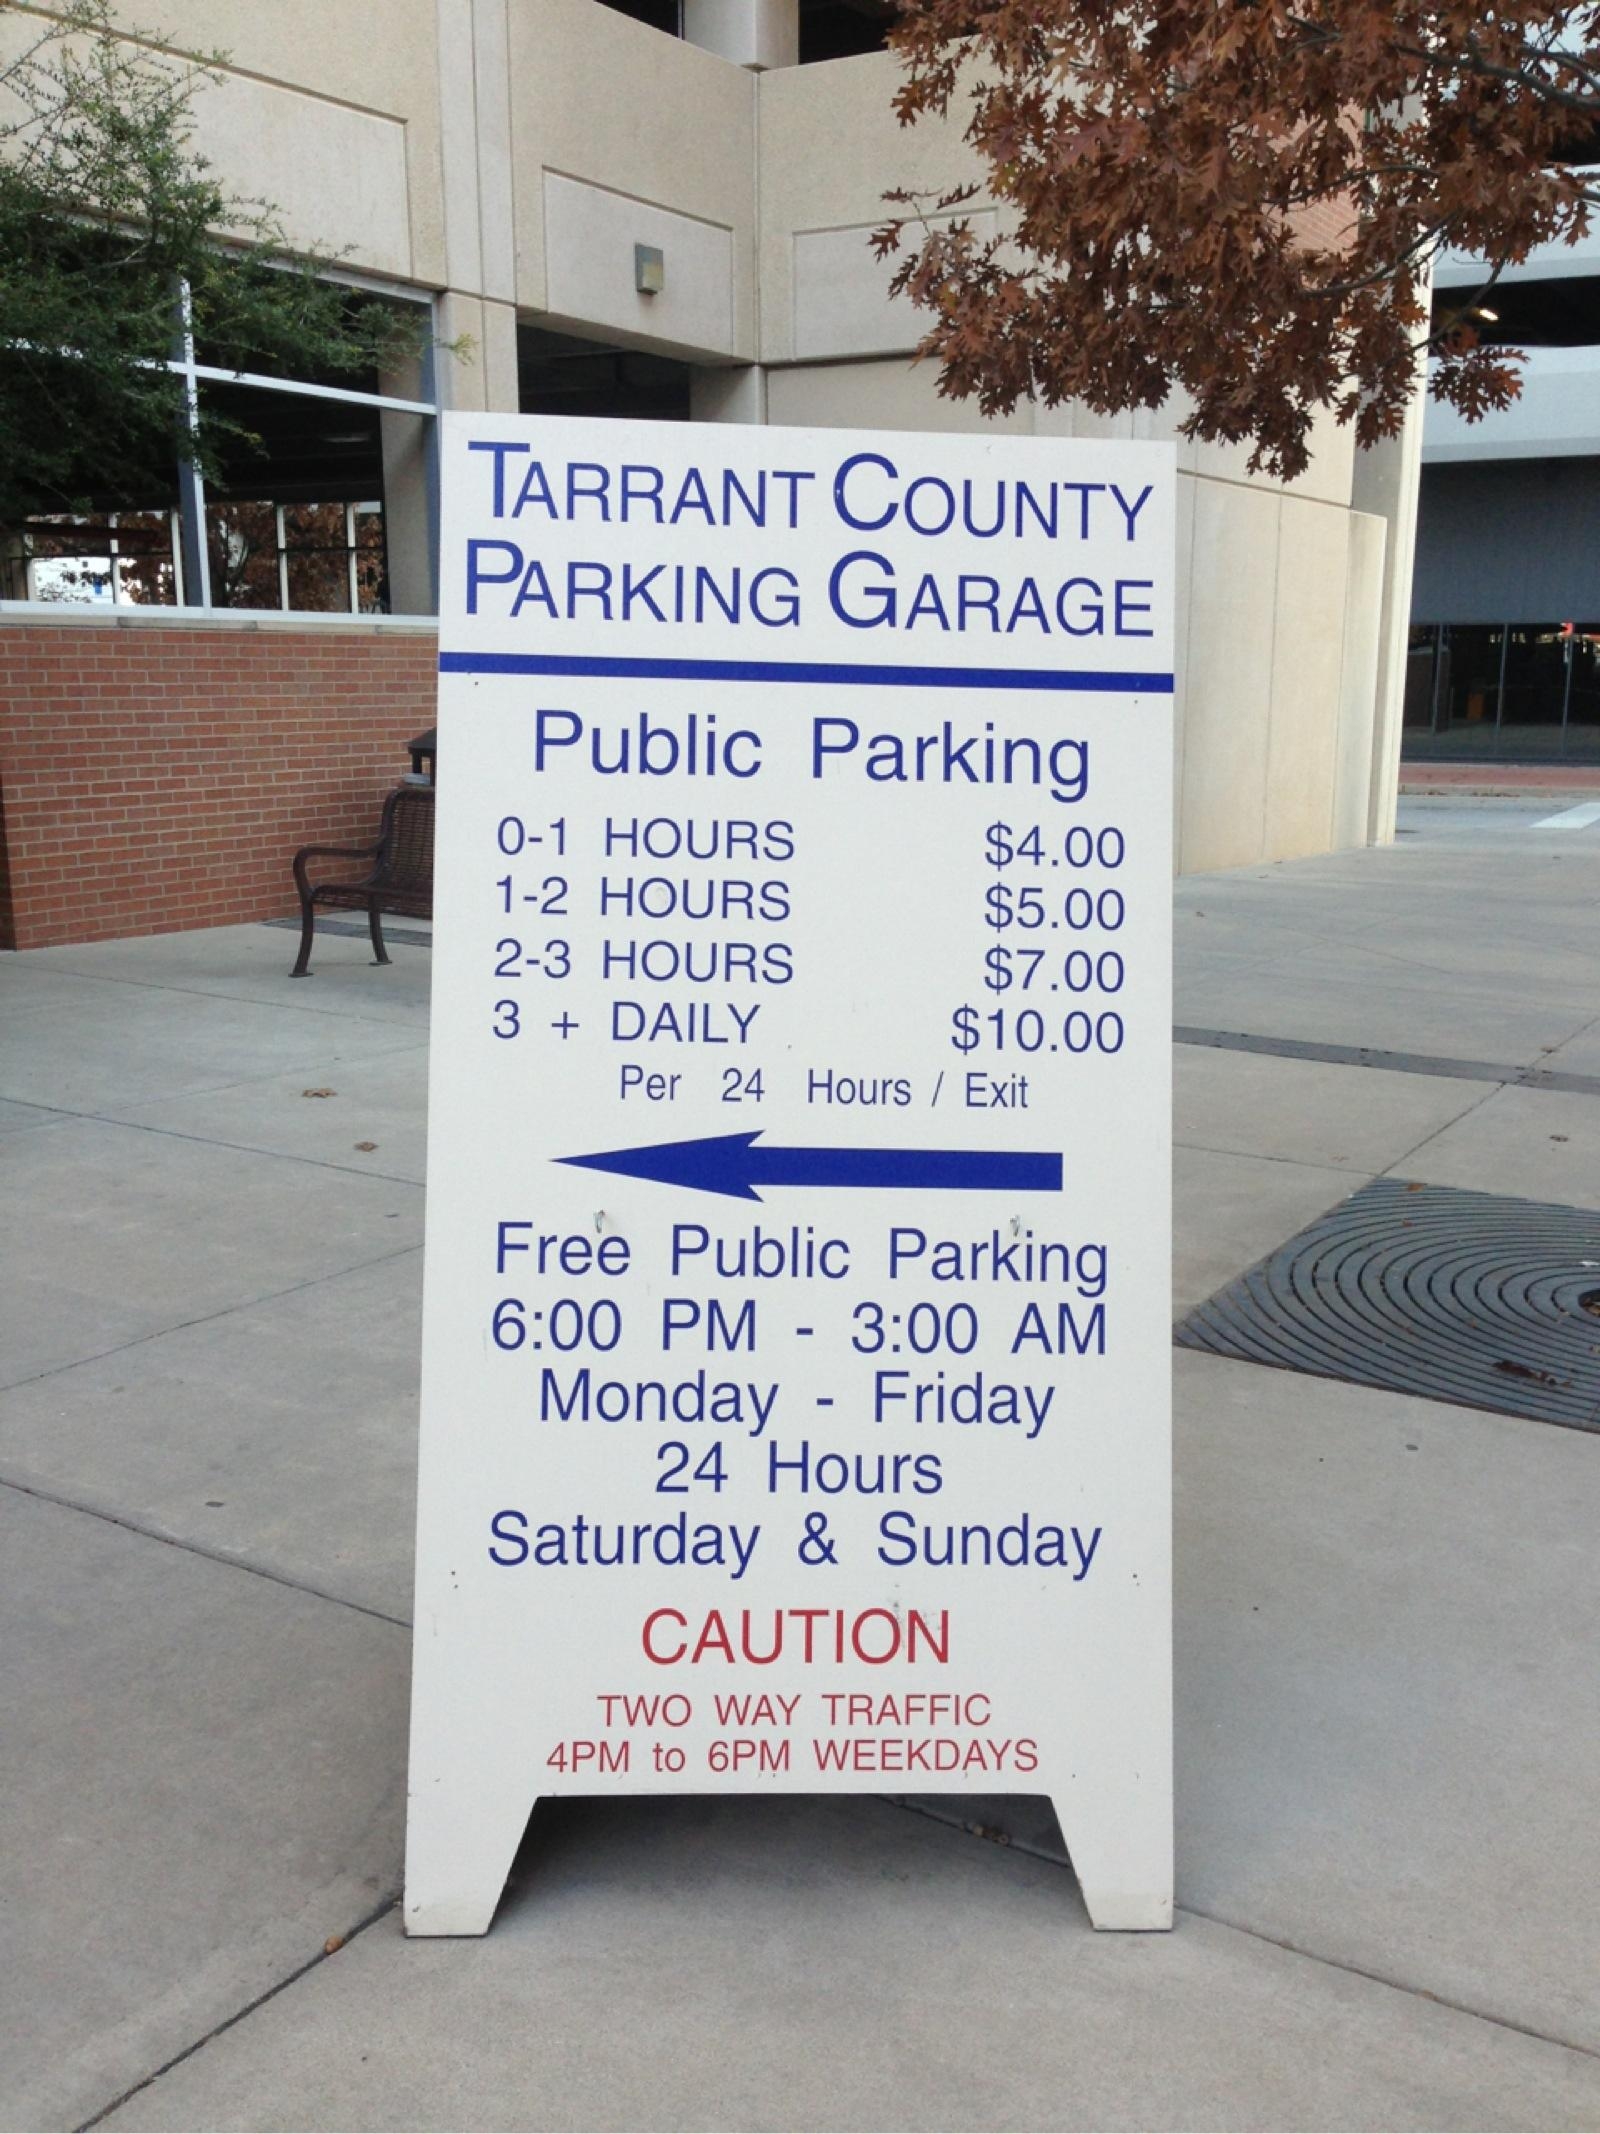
pixel 843 29
pixel 318 552
pixel 117 557
pixel 659 14
pixel 242 550
pixel 1583 703
pixel 146 551
pixel 69 559
pixel 370 548
pixel 295 516
pixel 359 308
pixel 312 559
pixel 319 499
pixel 558 374
pixel 1512 693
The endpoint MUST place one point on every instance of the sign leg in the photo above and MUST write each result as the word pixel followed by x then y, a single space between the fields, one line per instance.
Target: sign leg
pixel 462 1835
pixel 1124 1869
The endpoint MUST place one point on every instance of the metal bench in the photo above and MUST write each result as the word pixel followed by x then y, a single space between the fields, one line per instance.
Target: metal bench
pixel 401 879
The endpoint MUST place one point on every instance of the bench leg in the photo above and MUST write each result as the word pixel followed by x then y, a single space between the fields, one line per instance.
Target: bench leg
pixel 308 924
pixel 375 927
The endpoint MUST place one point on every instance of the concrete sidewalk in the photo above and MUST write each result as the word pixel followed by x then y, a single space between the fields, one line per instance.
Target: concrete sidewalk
pixel 1388 1696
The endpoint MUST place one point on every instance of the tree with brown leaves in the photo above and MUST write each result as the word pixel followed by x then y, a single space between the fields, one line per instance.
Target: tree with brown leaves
pixel 1240 201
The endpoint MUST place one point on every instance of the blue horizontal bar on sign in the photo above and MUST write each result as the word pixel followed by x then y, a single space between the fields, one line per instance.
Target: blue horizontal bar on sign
pixel 802 670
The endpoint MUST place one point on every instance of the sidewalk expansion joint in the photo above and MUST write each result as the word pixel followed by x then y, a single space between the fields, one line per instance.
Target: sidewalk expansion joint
pixel 192 992
pixel 213 1141
pixel 983 1832
pixel 1294 1048
pixel 1395 1985
pixel 1397 1169
pixel 198 1548
pixel 225 1311
pixel 1294 1163
pixel 369 1919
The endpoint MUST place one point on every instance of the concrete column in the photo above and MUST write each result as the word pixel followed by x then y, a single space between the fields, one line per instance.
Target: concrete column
pixel 491 72
pixel 483 376
pixel 501 391
pixel 738 395
pixel 458 143
pixel 408 529
pixel 1386 483
pixel 475 146
pixel 758 34
pixel 486 375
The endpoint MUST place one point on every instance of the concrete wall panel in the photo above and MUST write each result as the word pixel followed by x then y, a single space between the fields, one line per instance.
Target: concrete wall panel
pixel 733 395
pixel 1160 425
pixel 605 103
pixel 883 396
pixel 463 380
pixel 1073 419
pixel 1227 695
pixel 1545 263
pixel 1328 478
pixel 337 177
pixel 830 149
pixel 1307 654
pixel 329 52
pixel 1386 484
pixel 589 239
pixel 842 304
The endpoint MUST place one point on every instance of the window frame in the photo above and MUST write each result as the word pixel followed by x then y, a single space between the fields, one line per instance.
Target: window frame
pixel 188 518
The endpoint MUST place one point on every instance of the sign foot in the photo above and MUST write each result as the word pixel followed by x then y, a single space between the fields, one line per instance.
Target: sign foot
pixel 459 1855
pixel 1125 1880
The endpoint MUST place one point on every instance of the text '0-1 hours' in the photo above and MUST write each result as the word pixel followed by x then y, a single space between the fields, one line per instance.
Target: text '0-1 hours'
pixel 513 836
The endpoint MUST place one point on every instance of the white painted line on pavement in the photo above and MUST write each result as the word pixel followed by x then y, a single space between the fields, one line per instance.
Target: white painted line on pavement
pixel 1572 818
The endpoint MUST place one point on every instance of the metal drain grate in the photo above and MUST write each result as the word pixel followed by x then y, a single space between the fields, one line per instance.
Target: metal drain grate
pixel 1461 1297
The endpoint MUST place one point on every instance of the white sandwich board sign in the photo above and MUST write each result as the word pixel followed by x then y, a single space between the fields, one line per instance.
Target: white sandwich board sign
pixel 795 1407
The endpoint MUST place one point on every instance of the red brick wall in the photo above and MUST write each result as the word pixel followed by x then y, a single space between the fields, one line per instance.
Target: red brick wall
pixel 158 776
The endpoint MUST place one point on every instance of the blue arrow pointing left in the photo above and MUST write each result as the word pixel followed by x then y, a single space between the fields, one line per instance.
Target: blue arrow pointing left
pixel 733 1164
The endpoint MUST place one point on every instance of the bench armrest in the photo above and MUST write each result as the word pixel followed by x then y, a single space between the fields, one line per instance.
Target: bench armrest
pixel 332 852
